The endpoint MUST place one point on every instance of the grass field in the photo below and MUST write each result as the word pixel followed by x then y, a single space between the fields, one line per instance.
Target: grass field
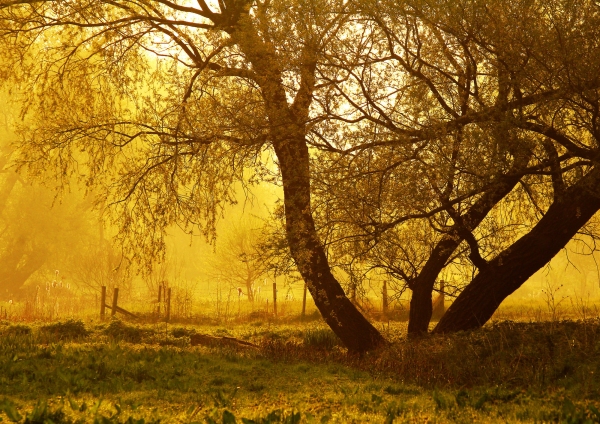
pixel 113 372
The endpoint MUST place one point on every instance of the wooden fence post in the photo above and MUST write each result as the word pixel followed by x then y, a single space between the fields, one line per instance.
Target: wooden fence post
pixel 103 304
pixel 114 303
pixel 275 299
pixel 304 302
pixel 160 287
pixel 168 299
pixel 384 294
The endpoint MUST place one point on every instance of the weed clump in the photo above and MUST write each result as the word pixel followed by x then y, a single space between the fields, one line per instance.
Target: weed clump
pixel 321 339
pixel 68 330
pixel 43 414
pixel 117 330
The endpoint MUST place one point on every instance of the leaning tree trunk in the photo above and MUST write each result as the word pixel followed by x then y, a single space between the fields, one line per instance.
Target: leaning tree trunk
pixel 422 287
pixel 287 132
pixel 511 268
pixel 338 311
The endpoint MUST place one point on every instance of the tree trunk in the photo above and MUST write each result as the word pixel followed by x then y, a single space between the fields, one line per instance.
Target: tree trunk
pixel 511 268
pixel 287 132
pixel 422 287
pixel 355 331
pixel 250 289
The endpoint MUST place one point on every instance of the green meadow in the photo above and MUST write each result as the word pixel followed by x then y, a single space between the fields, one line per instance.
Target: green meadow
pixel 119 372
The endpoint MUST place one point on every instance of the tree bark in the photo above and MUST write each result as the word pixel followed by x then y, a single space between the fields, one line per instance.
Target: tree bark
pixel 511 268
pixel 422 287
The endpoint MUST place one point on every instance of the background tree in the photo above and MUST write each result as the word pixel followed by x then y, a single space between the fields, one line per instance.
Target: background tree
pixel 236 259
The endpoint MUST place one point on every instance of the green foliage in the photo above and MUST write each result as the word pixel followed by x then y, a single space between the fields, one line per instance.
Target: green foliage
pixel 461 398
pixel 9 409
pixel 441 400
pixel 41 414
pixel 222 399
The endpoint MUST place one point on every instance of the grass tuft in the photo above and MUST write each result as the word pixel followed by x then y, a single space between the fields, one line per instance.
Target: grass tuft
pixel 321 339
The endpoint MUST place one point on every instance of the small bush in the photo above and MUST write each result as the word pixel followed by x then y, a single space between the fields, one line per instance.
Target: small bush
pixel 68 330
pixel 17 330
pixel 118 330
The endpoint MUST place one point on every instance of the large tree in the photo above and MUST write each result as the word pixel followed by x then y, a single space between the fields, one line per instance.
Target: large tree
pixel 166 104
pixel 438 150
pixel 462 113
pixel 570 126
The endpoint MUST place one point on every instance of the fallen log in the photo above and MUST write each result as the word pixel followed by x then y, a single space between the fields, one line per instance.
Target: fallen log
pixel 214 341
